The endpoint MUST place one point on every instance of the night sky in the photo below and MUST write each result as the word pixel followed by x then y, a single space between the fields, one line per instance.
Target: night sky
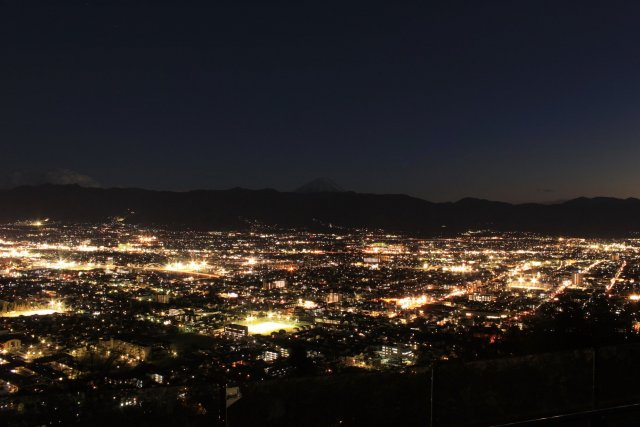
pixel 515 101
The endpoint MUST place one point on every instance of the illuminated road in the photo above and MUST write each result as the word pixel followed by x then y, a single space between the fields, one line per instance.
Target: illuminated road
pixel 593 265
pixel 616 277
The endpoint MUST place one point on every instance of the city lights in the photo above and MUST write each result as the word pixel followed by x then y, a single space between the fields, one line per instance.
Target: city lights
pixel 132 295
pixel 192 266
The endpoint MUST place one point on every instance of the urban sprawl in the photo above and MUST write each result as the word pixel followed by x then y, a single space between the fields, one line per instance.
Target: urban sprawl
pixel 119 307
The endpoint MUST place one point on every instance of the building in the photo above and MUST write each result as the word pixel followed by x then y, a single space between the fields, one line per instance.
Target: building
pixel 577 278
pixel 333 297
pixel 157 378
pixel 10 343
pixel 130 348
pixel 397 354
pixel 274 284
pixel 327 321
pixel 478 297
pixel 270 356
pixel 236 331
pixel 162 298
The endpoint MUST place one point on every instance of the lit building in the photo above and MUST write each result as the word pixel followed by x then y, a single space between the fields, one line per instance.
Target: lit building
pixel 10 343
pixel 157 378
pixel 129 348
pixel 333 297
pixel 162 298
pixel 482 297
pixel 270 356
pixel 577 278
pixel 397 354
pixel 275 284
pixel 236 331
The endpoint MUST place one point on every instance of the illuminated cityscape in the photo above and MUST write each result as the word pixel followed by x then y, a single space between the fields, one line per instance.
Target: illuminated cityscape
pixel 233 307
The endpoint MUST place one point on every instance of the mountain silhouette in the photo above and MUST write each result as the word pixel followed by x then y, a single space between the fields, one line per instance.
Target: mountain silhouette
pixel 241 208
pixel 320 185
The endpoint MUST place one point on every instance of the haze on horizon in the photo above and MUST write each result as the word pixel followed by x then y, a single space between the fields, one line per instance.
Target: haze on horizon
pixel 534 101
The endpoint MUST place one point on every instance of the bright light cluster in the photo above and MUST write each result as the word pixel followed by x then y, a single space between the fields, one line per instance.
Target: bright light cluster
pixel 408 303
pixel 463 268
pixel 186 267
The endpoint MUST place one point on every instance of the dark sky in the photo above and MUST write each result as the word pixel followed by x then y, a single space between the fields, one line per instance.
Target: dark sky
pixel 514 100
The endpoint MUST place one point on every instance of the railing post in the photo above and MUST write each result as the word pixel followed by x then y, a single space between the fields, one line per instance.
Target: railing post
pixel 431 394
pixel 596 419
pixel 594 389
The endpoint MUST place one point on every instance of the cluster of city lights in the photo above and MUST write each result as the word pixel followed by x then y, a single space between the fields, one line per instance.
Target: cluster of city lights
pixel 192 266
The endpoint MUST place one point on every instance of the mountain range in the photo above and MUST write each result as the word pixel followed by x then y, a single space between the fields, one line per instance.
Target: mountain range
pixel 240 208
